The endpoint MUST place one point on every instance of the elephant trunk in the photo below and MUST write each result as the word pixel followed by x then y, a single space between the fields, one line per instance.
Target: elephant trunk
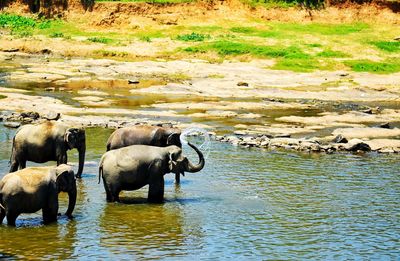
pixel 195 168
pixel 71 201
pixel 82 151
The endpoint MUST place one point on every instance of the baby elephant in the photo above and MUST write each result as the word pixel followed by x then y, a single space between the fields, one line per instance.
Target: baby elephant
pixel 31 189
pixel 135 166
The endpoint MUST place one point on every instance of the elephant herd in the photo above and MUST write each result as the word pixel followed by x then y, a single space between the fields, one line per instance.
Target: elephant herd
pixel 136 156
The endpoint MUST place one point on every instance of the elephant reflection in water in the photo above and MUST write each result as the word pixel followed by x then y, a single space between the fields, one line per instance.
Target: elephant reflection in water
pixel 142 226
pixel 55 242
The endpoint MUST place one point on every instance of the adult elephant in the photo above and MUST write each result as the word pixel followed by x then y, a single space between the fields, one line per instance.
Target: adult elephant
pixel 145 135
pixel 45 142
pixel 31 189
pixel 132 167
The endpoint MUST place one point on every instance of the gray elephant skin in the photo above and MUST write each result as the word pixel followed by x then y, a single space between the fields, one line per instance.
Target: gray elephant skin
pixel 48 141
pixel 145 135
pixel 132 167
pixel 34 188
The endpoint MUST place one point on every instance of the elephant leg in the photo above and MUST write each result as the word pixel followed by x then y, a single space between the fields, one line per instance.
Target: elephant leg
pixel 109 196
pixel 11 217
pixel 156 190
pixel 22 164
pixel 62 159
pixel 14 165
pixel 112 192
pixel 177 178
pixel 50 211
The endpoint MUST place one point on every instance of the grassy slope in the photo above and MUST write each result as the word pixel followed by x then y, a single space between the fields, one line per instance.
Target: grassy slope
pixel 296 47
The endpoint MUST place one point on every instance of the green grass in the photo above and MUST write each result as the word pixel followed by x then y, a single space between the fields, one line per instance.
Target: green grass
pixel 56 35
pixel 323 29
pixel 103 40
pixel 389 66
pixel 193 37
pixel 297 65
pixel 332 54
pixel 2 96
pixel 225 48
pixel 254 32
pixel 388 46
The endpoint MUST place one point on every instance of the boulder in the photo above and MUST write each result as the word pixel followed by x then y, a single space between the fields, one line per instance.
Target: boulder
pixel 357 145
pixel 340 139
pixel 11 124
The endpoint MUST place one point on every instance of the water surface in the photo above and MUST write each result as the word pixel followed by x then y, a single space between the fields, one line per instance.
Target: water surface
pixel 245 204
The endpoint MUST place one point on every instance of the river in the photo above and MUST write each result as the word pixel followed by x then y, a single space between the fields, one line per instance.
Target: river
pixel 245 204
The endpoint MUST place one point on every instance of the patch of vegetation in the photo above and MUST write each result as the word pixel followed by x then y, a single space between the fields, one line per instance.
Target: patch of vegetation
pixel 297 65
pixel 388 46
pixel 107 53
pixel 389 66
pixel 254 32
pixel 193 37
pixel 147 36
pixel 314 45
pixel 2 96
pixel 103 40
pixel 216 76
pixel 56 35
pixel 324 29
pixel 332 54
pixel 235 48
pixel 206 29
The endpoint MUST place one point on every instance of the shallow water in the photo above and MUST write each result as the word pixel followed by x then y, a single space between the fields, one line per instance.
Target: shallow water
pixel 245 204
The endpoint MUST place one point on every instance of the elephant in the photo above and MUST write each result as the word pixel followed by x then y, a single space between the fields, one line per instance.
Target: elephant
pixel 132 167
pixel 34 188
pixel 145 135
pixel 47 141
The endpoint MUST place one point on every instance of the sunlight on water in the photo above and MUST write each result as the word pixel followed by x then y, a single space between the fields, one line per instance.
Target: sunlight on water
pixel 245 204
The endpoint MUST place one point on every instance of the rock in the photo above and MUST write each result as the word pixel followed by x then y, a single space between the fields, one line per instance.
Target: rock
pixel 282 135
pixel 46 51
pixel 386 150
pixel 52 116
pixel 397 38
pixel 343 74
pixel 368 111
pixel 133 81
pixel 242 84
pixel 50 89
pixel 11 50
pixel 385 125
pixel 340 139
pixel 31 114
pixel 10 124
pixel 240 133
pixel 357 145
pixel 27 120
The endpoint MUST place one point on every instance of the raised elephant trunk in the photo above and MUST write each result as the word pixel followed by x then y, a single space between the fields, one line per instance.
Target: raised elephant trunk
pixel 195 168
pixel 71 200
pixel 82 151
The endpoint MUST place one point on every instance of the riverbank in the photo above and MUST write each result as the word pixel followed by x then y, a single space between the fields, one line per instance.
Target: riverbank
pixel 239 102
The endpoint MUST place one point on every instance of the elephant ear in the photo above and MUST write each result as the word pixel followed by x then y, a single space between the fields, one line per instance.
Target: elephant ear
pixel 73 136
pixel 174 139
pixel 65 176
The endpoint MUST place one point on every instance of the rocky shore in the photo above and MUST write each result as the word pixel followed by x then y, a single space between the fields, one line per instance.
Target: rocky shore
pixel 240 103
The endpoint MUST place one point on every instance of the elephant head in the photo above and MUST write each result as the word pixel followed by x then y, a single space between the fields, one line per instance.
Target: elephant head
pixel 76 138
pixel 66 183
pixel 178 163
pixel 173 138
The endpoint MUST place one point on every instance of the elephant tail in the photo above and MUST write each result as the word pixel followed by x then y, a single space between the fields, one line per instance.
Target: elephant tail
pixel 101 169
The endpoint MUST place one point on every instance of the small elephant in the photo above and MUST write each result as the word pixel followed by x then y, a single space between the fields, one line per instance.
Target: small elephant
pixel 45 142
pixel 145 135
pixel 132 167
pixel 34 188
